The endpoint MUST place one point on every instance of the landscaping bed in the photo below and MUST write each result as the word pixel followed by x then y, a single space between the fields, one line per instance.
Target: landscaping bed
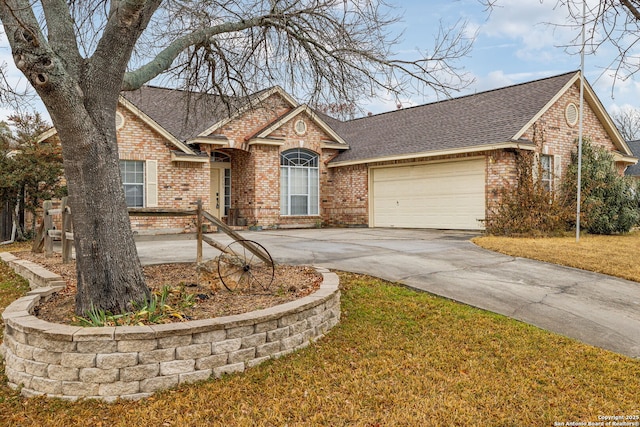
pixel 195 293
pixel 136 359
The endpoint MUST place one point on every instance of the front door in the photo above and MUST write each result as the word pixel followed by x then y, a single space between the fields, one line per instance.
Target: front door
pixel 220 189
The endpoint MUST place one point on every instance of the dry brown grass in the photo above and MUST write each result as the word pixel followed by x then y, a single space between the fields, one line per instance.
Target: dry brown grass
pixel 613 255
pixel 398 357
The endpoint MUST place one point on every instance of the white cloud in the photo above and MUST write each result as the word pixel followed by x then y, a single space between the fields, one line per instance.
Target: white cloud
pixel 539 28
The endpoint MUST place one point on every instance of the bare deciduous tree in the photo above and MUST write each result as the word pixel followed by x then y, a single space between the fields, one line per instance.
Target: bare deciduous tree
pixel 628 122
pixel 79 56
pixel 609 21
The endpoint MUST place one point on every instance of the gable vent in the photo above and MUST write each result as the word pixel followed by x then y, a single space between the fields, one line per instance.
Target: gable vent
pixel 571 114
pixel 119 120
pixel 300 127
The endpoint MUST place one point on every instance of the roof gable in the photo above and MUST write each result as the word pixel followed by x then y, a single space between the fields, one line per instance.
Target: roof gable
pixel 488 120
pixel 252 102
pixel 594 103
pixel 155 126
pixel 296 112
pixel 149 121
pixel 181 113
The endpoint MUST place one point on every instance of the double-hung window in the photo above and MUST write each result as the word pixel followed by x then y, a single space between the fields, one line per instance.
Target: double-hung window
pixel 132 173
pixel 299 183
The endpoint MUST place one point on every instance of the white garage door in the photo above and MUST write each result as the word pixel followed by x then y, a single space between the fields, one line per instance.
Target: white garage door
pixel 447 195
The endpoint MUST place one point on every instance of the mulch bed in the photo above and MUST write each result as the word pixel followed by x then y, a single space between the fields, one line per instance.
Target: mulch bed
pixel 210 298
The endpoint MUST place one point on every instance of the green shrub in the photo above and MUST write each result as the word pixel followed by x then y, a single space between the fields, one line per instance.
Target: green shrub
pixel 609 201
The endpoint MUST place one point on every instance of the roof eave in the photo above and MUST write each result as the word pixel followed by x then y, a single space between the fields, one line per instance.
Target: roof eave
pixel 154 125
pixel 266 141
pixel 194 158
pixel 312 115
pixel 519 145
pixel 219 142
pixel 621 158
pixel 334 145
pixel 46 135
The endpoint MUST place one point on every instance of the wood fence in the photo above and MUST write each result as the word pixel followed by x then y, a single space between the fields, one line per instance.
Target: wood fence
pixel 47 233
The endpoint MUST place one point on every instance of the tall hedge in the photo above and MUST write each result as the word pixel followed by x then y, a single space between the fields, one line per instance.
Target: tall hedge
pixel 609 201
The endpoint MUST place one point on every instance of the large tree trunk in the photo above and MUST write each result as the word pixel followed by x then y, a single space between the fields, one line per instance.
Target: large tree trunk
pixel 109 272
pixel 81 94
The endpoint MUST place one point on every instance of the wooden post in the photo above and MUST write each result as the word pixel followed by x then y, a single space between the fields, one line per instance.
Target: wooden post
pixel 67 245
pixel 48 225
pixel 38 241
pixel 199 231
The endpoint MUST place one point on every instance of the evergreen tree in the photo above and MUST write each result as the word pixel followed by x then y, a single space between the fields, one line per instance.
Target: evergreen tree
pixel 609 201
pixel 29 172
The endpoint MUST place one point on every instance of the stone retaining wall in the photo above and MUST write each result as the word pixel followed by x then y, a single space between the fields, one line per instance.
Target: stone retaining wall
pixel 132 362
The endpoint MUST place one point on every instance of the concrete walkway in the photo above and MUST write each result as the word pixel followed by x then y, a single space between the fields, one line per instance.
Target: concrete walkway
pixel 590 307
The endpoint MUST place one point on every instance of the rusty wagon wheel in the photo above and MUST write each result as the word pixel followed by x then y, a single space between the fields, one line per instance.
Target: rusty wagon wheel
pixel 245 265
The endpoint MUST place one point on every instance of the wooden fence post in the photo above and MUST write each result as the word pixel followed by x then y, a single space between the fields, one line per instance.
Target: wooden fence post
pixel 199 231
pixel 48 225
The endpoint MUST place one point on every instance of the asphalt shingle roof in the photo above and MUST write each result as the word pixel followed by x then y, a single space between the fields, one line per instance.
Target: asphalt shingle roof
pixel 484 118
pixel 634 170
pixel 183 114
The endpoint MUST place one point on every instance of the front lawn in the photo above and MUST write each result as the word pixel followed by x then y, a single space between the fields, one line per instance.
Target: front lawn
pixel 613 255
pixel 398 357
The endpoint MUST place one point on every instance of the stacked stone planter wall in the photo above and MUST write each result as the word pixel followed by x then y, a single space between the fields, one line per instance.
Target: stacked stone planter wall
pixel 132 362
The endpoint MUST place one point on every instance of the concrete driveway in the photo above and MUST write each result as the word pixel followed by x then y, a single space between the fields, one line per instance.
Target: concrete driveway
pixel 590 307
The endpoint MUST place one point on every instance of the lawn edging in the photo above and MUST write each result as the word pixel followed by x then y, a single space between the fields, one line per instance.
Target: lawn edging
pixel 133 362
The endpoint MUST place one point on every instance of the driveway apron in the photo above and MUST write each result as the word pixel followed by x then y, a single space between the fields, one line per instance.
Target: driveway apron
pixel 596 309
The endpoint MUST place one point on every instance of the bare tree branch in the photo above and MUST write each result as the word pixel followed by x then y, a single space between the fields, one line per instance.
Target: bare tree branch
pixel 627 121
pixel 163 60
pixel 612 22
pixel 632 8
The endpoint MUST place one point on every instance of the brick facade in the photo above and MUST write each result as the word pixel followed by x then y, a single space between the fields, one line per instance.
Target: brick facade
pixel 344 190
pixel 255 166
pixel 560 138
pixel 179 185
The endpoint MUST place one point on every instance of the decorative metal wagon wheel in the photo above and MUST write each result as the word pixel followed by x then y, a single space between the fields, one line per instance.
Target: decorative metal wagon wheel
pixel 245 265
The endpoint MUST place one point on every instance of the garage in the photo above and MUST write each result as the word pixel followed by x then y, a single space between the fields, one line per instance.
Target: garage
pixel 446 195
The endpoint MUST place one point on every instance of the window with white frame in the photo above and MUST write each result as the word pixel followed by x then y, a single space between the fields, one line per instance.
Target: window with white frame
pixel 132 173
pixel 299 183
pixel 546 171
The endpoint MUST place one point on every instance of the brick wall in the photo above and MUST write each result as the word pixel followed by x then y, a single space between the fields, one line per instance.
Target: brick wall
pixel 345 199
pixel 560 138
pixel 255 168
pixel 180 184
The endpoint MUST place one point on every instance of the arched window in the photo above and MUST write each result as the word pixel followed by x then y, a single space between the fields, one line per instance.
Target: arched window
pixel 299 184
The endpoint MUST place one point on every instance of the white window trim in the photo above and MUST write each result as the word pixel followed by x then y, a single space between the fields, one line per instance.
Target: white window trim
pixel 555 171
pixel 142 185
pixel 309 192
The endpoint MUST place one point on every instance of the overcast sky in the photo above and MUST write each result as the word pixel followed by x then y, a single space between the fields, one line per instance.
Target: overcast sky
pixel 514 44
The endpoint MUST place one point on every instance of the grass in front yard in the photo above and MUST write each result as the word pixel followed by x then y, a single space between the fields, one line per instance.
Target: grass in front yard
pixel 613 255
pixel 398 357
